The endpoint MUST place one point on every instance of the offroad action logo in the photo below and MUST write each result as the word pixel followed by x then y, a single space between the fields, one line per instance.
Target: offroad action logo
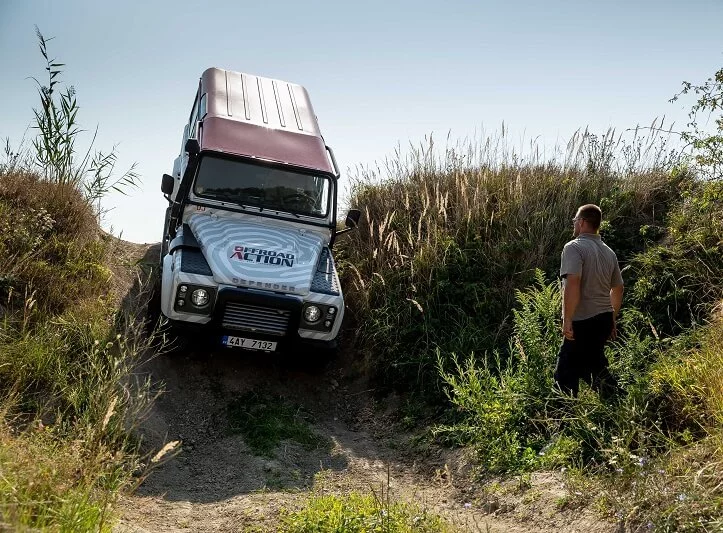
pixel 258 255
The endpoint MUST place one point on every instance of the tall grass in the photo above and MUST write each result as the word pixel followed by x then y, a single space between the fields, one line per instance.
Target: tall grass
pixel 54 154
pixel 451 283
pixel 69 398
pixel 450 235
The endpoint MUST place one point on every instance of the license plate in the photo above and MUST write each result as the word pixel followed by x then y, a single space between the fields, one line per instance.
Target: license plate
pixel 249 344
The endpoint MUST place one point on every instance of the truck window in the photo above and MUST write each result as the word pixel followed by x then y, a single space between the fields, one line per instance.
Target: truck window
pixel 262 186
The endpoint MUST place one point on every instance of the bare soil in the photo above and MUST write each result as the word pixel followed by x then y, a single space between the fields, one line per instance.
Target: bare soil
pixel 214 482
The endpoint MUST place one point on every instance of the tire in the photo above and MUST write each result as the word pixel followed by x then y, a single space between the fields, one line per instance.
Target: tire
pixel 153 310
pixel 171 339
pixel 168 338
pixel 316 359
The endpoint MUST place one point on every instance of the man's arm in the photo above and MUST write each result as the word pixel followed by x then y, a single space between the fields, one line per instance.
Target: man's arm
pixel 570 300
pixel 616 300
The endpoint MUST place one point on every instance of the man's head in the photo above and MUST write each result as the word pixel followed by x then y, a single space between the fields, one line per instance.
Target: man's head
pixel 587 219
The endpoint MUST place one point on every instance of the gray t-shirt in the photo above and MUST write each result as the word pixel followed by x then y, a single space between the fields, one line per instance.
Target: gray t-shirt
pixel 599 271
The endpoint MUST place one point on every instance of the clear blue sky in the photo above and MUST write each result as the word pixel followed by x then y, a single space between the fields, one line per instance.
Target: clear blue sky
pixel 379 73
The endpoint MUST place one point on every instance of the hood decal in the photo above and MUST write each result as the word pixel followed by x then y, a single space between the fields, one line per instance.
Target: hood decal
pixel 250 254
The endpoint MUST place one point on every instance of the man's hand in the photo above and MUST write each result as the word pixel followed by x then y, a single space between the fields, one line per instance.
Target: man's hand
pixel 567 330
pixel 616 300
pixel 570 299
pixel 614 332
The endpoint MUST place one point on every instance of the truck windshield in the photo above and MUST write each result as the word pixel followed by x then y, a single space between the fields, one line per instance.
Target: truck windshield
pixel 276 189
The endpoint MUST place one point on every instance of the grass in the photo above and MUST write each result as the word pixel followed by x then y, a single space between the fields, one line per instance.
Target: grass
pixel 51 251
pixel 449 281
pixel 68 396
pixel 51 483
pixel 448 237
pixel 360 513
pixel 265 421
pixel 69 400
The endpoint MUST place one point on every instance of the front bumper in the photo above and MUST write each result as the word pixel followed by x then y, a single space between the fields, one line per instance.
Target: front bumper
pixel 248 312
pixel 212 335
pixel 277 321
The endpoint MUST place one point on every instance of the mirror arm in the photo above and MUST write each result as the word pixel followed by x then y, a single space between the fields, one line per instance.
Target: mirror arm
pixel 343 231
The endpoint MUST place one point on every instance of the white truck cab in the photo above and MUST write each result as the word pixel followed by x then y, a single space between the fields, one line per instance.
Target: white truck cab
pixel 246 253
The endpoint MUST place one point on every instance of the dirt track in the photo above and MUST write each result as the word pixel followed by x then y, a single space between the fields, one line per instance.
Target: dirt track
pixel 216 483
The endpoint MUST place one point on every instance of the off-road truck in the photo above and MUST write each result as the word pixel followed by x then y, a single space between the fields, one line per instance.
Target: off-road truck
pixel 246 253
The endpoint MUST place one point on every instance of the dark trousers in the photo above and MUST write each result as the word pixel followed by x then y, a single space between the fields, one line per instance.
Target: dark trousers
pixel 584 358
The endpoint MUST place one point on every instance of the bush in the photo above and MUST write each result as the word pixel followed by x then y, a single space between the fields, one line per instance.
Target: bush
pixel 678 281
pixel 515 421
pixel 505 403
pixel 68 401
pixel 448 240
pixel 359 513
pixel 51 248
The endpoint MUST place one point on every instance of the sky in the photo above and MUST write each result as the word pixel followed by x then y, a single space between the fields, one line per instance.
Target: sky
pixel 380 74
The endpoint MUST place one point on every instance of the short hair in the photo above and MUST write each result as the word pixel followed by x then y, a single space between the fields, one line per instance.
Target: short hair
pixel 591 213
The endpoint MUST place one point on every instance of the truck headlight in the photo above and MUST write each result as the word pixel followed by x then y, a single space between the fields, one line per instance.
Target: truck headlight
pixel 195 299
pixel 312 314
pixel 200 297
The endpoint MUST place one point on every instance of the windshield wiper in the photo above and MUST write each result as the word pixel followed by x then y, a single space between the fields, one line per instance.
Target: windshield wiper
pixel 297 215
pixel 229 197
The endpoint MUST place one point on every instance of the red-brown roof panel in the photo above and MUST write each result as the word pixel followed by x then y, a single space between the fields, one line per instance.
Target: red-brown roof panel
pixel 260 117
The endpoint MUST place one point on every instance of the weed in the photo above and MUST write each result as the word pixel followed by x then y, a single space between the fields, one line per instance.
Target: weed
pixel 265 421
pixel 54 147
pixel 69 398
pixel 360 513
pixel 449 238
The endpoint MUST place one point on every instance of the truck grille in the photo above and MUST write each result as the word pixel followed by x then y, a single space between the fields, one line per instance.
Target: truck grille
pixel 256 318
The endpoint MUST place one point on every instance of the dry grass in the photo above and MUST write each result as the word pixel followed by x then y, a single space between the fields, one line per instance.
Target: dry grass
pixel 429 200
pixel 52 253
pixel 69 399
pixel 49 481
pixel 73 216
pixel 448 236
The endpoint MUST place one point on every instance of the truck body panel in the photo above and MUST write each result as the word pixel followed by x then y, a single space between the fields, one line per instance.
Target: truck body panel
pixel 263 118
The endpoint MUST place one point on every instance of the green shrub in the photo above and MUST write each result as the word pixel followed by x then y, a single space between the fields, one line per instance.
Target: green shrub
pixel 360 513
pixel 447 240
pixel 505 402
pixel 678 281
pixel 515 421
pixel 264 421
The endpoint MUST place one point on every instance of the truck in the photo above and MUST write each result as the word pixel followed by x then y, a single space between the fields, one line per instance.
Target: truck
pixel 246 252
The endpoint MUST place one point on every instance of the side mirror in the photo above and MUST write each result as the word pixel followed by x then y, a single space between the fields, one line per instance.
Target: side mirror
pixel 352 218
pixel 352 221
pixel 167 184
pixel 192 147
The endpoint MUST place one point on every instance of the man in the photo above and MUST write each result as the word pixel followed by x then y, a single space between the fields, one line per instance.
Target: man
pixel 592 296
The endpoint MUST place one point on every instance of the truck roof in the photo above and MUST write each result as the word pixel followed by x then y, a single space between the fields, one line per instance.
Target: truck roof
pixel 263 118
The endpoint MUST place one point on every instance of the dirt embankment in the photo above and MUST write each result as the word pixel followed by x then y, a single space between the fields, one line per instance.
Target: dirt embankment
pixel 217 482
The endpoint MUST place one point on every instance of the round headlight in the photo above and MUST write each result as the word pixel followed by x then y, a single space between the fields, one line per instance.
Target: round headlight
pixel 199 297
pixel 312 314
